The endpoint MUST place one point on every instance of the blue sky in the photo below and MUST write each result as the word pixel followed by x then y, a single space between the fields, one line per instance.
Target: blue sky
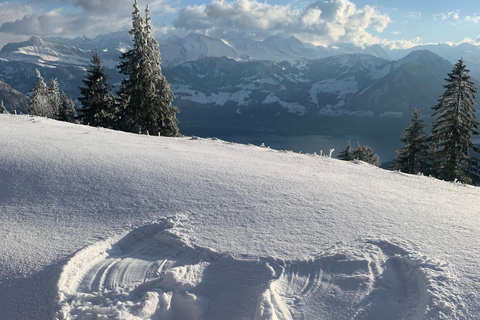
pixel 393 24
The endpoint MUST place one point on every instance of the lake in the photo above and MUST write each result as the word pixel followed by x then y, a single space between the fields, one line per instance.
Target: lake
pixel 384 146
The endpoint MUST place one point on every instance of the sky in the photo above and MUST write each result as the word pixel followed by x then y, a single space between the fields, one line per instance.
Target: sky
pixel 392 24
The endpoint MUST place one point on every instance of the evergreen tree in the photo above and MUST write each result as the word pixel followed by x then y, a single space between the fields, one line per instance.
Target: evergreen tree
pixel 39 102
pixel 98 104
pixel 366 154
pixel 53 97
pixel 67 110
pixel 412 157
pixel 2 108
pixel 133 66
pixel 453 150
pixel 145 96
pixel 347 154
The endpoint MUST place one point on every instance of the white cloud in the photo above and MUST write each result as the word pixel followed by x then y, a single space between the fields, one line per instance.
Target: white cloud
pixel 92 17
pixel 450 16
pixel 414 15
pixel 474 18
pixel 102 6
pixel 10 11
pixel 322 22
pixel 455 17
pixel 475 41
pixel 53 23
pixel 402 44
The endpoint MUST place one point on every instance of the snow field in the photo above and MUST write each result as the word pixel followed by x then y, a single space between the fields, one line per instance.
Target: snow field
pixel 256 233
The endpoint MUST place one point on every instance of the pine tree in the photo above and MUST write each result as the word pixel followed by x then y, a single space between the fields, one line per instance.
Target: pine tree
pixel 145 96
pixel 133 66
pixel 39 102
pixel 412 157
pixel 3 110
pixel 98 104
pixel 453 150
pixel 347 154
pixel 366 154
pixel 67 110
pixel 53 97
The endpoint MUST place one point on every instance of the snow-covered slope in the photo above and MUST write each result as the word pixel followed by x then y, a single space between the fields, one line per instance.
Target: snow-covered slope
pixel 61 52
pixel 176 51
pixel 42 52
pixel 104 224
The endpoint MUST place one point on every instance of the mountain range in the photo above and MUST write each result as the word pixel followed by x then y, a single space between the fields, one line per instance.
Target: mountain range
pixel 265 84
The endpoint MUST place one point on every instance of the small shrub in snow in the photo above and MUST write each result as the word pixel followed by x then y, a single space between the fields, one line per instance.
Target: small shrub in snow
pixel 362 153
pixel 2 108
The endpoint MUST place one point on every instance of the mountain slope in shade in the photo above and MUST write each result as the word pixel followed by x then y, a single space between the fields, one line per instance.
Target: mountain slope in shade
pixel 225 91
pixel 415 81
pixel 21 76
pixel 469 52
pixel 341 85
pixel 13 100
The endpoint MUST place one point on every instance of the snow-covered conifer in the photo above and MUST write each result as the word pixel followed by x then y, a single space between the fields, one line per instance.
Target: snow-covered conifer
pixel 455 123
pixel 412 157
pixel 53 94
pixel 347 154
pixel 366 154
pixel 67 110
pixel 145 96
pixel 98 104
pixel 2 108
pixel 39 102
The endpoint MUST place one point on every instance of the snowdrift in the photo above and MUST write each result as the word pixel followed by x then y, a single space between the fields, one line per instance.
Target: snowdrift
pixel 103 224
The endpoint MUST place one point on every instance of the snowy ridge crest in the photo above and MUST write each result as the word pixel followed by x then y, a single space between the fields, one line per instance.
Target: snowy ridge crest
pixel 152 273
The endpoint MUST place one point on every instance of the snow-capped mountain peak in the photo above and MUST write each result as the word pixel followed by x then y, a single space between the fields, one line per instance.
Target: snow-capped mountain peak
pixel 174 50
pixel 44 52
pixel 177 50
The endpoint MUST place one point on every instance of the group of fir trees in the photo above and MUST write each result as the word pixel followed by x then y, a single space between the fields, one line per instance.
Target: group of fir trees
pixel 448 153
pixel 362 153
pixel 144 103
pixel 47 101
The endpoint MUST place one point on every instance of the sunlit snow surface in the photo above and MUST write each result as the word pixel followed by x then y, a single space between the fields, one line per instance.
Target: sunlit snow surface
pixel 97 224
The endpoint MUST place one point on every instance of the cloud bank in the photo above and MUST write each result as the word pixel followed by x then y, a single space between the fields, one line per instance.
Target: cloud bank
pixel 322 22
pixel 455 17
pixel 85 17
